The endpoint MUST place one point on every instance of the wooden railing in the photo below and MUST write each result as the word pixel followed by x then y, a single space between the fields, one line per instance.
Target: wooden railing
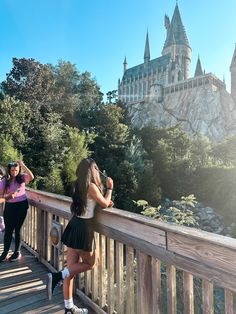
pixel 145 266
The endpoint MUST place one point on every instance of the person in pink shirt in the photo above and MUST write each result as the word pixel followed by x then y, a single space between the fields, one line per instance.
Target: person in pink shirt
pixel 12 188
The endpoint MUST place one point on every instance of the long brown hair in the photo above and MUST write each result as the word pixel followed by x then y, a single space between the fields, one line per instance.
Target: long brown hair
pixel 86 173
pixel 19 178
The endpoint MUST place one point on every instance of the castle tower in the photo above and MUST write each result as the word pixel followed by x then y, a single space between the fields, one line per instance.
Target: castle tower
pixel 233 75
pixel 177 42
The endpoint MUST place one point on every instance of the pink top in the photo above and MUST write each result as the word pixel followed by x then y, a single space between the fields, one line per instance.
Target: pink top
pixel 20 196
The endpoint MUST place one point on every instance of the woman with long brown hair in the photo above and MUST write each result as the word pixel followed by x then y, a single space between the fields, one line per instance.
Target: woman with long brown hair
pixel 79 234
pixel 12 187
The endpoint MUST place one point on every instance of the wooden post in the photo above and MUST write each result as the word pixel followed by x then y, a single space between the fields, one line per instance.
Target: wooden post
pixel 207 297
pixel 144 284
pixel 171 289
pixel 188 293
pixel 119 279
pixel 229 302
pixel 130 308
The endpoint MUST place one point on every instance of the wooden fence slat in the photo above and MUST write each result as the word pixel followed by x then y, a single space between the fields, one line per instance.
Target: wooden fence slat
pixel 102 288
pixel 110 276
pixel 130 308
pixel 171 289
pixel 229 302
pixel 48 228
pixel 119 278
pixel 144 283
pixel 207 297
pixel 156 286
pixel 94 272
pixel 40 233
pixel 188 293
pixel 87 282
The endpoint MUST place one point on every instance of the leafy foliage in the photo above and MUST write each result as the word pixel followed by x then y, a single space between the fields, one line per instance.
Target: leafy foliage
pixel 7 150
pixel 76 149
pixel 178 212
pixel 29 81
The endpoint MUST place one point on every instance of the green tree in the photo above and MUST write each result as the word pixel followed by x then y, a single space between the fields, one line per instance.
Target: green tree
pixel 169 151
pixel 29 80
pixel 225 152
pixel 112 135
pixel 53 182
pixel 15 120
pixel 76 147
pixel 201 154
pixel 178 212
pixel 8 152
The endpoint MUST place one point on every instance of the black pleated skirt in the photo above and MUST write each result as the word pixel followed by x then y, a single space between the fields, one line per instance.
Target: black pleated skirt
pixel 79 234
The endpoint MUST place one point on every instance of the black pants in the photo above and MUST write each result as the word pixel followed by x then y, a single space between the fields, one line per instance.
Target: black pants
pixel 14 216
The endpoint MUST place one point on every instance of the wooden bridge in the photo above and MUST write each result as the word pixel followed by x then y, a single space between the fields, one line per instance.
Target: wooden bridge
pixel 144 266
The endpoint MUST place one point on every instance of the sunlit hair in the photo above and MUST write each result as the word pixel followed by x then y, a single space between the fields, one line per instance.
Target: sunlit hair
pixel 19 178
pixel 86 173
pixel 2 171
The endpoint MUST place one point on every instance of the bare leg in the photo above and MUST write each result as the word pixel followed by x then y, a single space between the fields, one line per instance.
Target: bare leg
pixel 75 266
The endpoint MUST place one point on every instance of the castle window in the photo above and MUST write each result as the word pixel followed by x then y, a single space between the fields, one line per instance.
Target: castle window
pixel 136 92
pixel 132 93
pixel 172 79
pixel 179 76
pixel 140 90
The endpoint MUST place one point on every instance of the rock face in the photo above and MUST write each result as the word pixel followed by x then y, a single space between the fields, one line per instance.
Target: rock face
pixel 207 109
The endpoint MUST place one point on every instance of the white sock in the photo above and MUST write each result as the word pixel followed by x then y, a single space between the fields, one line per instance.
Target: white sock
pixel 65 273
pixel 69 303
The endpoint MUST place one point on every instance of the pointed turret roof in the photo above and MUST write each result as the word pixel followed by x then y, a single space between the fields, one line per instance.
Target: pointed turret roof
pixel 176 31
pixel 233 62
pixel 147 50
pixel 198 70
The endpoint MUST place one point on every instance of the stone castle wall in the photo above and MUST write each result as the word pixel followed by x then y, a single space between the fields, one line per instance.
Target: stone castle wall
pixel 200 105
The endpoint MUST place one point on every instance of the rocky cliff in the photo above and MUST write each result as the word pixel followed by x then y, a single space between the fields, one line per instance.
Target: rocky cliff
pixel 209 110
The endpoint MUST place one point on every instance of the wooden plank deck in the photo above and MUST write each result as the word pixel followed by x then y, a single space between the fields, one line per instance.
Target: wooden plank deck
pixel 22 287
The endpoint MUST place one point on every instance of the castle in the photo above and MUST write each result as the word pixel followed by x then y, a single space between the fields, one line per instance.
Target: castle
pixel 162 93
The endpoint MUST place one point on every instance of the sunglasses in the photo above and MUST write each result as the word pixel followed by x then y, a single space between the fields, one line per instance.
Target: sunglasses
pixel 89 160
pixel 13 164
pixel 101 172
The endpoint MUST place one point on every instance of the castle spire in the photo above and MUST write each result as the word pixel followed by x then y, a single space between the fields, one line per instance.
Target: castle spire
pixel 125 64
pixel 147 50
pixel 198 70
pixel 177 29
pixel 167 22
pixel 233 62
pixel 233 75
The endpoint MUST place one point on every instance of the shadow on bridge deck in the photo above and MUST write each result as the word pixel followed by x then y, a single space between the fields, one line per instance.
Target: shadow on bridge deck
pixel 22 287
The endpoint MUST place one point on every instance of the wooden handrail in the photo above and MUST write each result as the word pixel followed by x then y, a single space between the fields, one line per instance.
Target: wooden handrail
pixel 197 253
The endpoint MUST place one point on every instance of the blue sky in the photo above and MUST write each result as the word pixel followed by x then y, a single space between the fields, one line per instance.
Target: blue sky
pixel 97 35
